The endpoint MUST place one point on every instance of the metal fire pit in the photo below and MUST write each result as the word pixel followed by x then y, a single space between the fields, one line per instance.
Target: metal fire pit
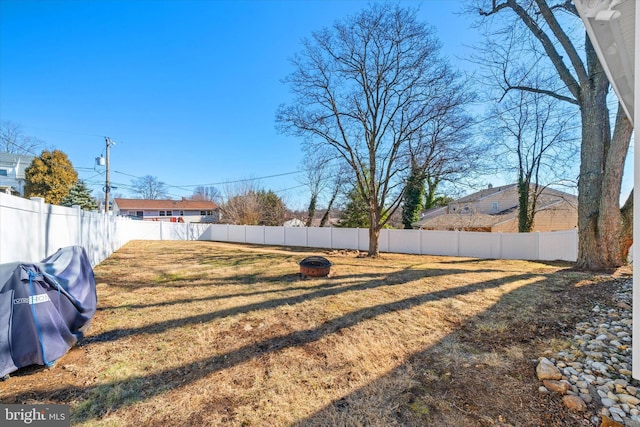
pixel 315 266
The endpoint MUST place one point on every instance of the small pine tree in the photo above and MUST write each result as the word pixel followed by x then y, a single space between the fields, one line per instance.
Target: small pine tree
pixel 272 208
pixel 80 195
pixel 356 213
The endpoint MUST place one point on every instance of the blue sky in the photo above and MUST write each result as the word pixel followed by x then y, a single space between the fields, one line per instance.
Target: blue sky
pixel 188 90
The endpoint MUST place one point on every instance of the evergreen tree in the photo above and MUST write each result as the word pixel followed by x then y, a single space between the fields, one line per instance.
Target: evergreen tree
pixel 272 208
pixel 356 213
pixel 50 176
pixel 80 195
pixel 413 197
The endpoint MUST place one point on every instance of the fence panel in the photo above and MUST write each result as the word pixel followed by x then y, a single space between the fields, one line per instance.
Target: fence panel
pixel 403 241
pixel 445 243
pixel 21 229
pixel 274 236
pixel 295 236
pixel 319 237
pixel 519 245
pixel 237 233
pixel 559 245
pixel 479 245
pixel 255 234
pixel 345 238
pixel 217 232
pixel 198 230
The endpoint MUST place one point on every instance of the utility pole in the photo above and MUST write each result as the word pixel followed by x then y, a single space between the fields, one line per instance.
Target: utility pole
pixel 107 184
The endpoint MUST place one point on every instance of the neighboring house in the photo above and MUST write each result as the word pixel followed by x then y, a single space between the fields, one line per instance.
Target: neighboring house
pixel 12 167
pixel 495 209
pixel 167 210
pixel 294 222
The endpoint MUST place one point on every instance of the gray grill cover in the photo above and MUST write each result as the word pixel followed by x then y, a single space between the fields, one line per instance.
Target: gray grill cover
pixel 45 308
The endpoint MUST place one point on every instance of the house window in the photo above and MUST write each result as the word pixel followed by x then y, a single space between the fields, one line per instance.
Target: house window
pixel 161 213
pixel 139 213
pixel 203 213
pixel 494 206
pixel 181 213
pixel 3 172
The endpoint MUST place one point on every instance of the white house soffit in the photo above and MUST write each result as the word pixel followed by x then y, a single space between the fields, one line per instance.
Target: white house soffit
pixel 610 25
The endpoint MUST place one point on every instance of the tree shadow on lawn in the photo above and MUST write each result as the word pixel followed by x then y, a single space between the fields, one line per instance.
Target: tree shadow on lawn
pixel 96 401
pixel 476 377
pixel 394 279
pixel 226 296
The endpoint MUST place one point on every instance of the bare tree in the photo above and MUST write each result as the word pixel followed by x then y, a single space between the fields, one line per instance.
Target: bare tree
pixel 149 187
pixel 13 140
pixel 537 145
pixel 242 205
pixel 209 194
pixel 552 43
pixel 316 177
pixel 365 88
pixel 445 151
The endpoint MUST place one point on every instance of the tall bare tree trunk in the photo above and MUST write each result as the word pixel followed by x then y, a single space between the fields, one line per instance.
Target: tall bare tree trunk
pixel 601 167
pixel 374 235
pixel 374 231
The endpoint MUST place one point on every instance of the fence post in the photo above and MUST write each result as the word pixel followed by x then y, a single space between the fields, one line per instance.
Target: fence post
pixel 457 242
pixel 78 212
pixel 499 244
pixel 538 246
pixel 41 250
pixel 331 237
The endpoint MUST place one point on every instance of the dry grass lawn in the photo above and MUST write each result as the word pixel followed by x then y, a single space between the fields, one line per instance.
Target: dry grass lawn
pixel 206 334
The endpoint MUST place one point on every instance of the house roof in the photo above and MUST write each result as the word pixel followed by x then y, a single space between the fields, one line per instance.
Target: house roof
pixel 483 193
pixel 611 29
pixel 184 204
pixel 548 198
pixel 486 192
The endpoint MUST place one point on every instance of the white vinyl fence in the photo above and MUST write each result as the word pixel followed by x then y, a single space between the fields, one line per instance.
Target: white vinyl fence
pixel 558 245
pixel 31 230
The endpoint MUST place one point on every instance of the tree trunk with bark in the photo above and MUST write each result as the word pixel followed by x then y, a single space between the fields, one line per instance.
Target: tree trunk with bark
pixel 374 246
pixel 601 166
pixel 627 228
